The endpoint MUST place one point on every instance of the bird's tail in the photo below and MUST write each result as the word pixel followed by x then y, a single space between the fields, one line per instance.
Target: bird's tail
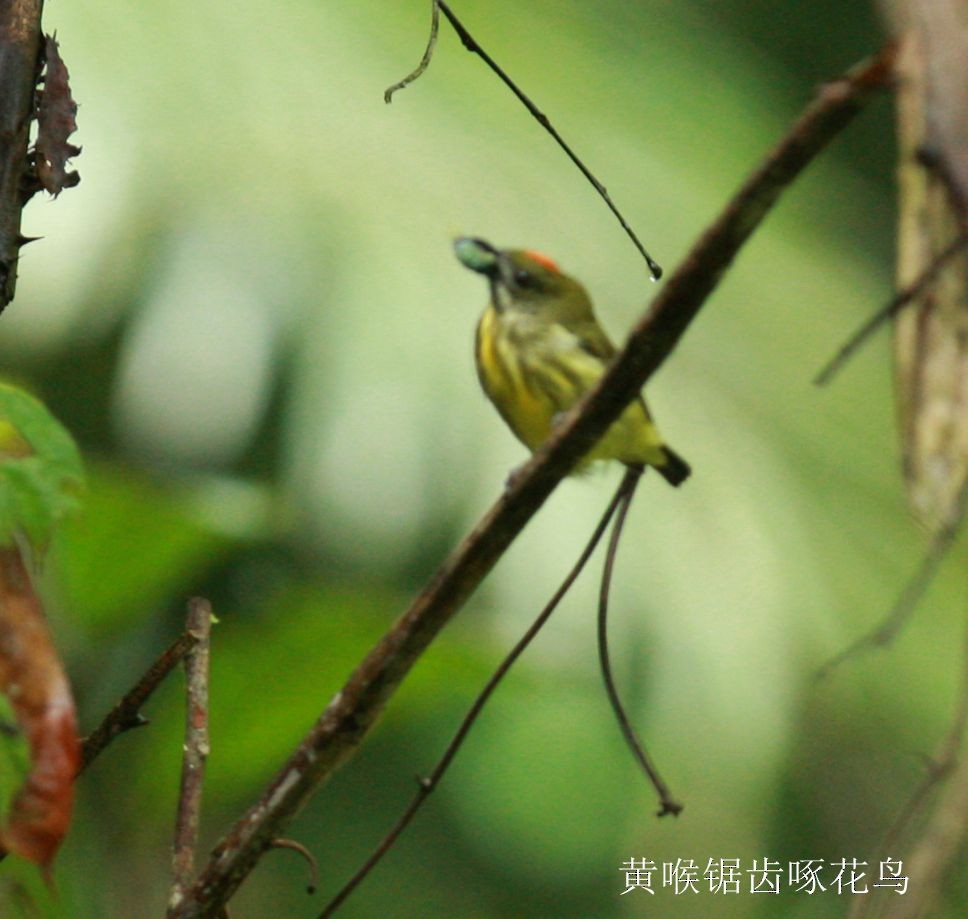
pixel 675 470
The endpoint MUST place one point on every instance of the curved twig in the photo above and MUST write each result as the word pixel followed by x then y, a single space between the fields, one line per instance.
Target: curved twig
pixel 667 803
pixel 310 859
pixel 424 61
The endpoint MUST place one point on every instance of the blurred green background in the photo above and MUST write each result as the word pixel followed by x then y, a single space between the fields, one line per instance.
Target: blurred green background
pixel 250 317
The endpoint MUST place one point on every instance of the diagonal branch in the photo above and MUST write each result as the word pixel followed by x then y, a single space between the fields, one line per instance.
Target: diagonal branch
pixel 353 711
pixel 127 713
pixel 884 634
pixel 894 306
pixel 426 786
pixel 471 45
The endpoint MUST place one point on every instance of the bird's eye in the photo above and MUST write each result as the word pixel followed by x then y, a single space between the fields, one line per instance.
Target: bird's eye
pixel 524 278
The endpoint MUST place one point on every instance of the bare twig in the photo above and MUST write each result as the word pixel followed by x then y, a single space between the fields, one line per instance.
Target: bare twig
pixel 352 712
pixel 939 768
pixel 425 60
pixel 667 803
pixel 888 629
pixel 308 856
pixel 425 786
pixel 199 624
pixel 471 45
pixel 870 325
pixel 127 713
pixel 19 70
pixel 946 829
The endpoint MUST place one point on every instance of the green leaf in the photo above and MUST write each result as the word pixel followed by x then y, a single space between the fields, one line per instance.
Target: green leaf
pixel 146 534
pixel 41 475
pixel 14 757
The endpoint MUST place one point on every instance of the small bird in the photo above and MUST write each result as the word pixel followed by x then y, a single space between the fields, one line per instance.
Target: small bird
pixel 539 349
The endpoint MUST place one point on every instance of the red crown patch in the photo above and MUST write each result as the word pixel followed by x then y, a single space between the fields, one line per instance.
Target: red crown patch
pixel 543 260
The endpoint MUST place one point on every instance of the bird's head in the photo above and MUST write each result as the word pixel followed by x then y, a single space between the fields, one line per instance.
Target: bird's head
pixel 524 280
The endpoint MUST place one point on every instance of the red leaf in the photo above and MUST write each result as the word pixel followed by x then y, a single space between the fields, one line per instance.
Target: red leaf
pixel 32 678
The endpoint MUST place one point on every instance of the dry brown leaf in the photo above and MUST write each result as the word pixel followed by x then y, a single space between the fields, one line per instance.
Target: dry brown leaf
pixel 56 122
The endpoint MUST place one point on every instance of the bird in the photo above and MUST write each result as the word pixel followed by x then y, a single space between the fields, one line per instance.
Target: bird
pixel 539 348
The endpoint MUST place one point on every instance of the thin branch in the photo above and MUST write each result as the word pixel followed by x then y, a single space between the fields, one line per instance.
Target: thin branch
pixel 938 770
pixel 425 60
pixel 944 835
pixel 127 713
pixel 196 749
pixel 667 803
pixel 425 786
pixel 470 43
pixel 352 712
pixel 884 634
pixel 870 325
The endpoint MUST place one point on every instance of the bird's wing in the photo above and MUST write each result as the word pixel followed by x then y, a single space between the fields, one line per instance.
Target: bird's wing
pixel 592 339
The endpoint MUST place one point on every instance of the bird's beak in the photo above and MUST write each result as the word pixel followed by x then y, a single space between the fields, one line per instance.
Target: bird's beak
pixel 478 255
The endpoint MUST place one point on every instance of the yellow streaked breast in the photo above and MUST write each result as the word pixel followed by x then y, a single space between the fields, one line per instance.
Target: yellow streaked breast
pixel 501 373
